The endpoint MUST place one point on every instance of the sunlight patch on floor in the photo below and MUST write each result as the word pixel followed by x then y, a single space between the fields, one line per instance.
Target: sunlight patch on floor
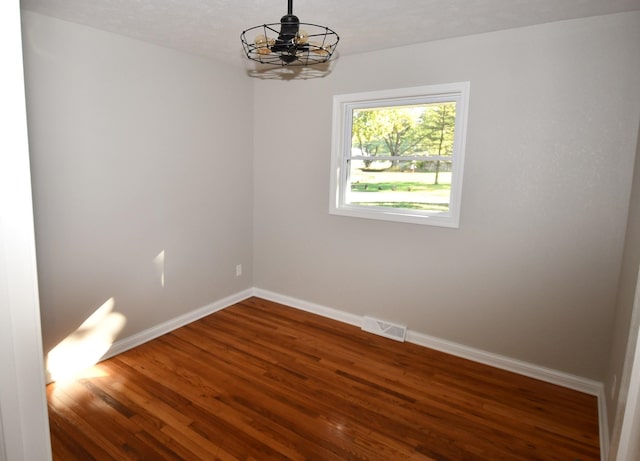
pixel 87 345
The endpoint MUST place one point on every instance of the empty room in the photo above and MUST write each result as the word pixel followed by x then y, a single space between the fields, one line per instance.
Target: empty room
pixel 320 230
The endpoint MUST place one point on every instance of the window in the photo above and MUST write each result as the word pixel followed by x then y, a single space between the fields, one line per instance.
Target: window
pixel 398 155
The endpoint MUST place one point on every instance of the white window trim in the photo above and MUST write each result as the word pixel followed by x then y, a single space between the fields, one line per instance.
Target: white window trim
pixel 343 106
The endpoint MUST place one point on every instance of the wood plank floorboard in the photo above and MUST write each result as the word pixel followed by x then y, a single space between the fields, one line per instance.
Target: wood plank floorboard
pixel 262 381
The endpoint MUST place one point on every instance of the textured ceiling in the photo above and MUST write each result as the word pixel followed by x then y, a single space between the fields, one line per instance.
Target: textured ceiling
pixel 212 28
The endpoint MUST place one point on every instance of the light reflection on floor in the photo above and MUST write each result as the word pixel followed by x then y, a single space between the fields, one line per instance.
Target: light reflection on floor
pixel 83 348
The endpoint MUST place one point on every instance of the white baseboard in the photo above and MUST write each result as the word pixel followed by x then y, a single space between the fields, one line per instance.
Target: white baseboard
pixel 156 331
pixel 506 363
pixel 605 442
pixel 324 311
pixel 548 375
pixel 577 383
pixel 499 361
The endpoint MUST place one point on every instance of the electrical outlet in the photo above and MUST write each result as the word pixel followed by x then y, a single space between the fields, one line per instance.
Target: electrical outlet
pixel 238 270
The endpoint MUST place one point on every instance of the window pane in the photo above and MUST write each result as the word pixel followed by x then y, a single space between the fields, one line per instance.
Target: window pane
pixel 410 130
pixel 413 185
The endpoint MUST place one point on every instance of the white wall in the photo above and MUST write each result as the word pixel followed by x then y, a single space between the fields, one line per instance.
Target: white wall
pixel 532 271
pixel 136 149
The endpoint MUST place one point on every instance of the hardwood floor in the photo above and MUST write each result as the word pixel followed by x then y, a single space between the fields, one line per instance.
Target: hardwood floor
pixel 260 381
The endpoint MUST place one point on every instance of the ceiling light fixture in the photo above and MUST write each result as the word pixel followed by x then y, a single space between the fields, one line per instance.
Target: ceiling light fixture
pixel 289 42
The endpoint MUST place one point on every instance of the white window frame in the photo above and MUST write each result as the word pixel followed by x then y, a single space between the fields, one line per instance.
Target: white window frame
pixel 343 107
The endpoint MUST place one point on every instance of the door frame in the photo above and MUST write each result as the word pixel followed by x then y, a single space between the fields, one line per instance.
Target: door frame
pixel 24 418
